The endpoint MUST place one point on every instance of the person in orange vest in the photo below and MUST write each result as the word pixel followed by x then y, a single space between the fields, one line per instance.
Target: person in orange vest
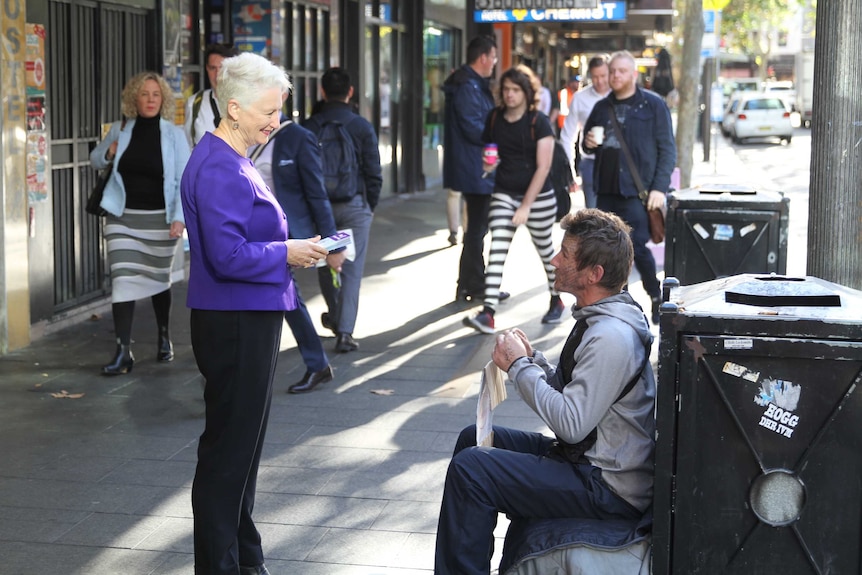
pixel 566 98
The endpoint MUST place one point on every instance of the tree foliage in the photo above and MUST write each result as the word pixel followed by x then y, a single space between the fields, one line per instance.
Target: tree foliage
pixel 748 25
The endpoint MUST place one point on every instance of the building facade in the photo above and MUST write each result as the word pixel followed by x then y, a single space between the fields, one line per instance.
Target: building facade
pixel 65 62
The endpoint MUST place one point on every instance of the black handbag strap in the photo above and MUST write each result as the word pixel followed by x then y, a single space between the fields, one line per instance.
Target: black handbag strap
pixel 636 177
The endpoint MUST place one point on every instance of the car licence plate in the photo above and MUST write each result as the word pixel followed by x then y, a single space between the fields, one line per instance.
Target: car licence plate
pixel 765 128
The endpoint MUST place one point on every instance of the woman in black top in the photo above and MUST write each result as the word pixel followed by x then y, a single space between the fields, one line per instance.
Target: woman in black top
pixel 523 194
pixel 144 212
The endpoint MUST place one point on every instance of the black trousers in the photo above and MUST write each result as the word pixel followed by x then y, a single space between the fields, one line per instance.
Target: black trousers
pixel 471 272
pixel 236 351
pixel 632 212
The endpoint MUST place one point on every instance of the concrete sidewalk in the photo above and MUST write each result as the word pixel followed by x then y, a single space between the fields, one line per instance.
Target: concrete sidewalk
pixel 96 472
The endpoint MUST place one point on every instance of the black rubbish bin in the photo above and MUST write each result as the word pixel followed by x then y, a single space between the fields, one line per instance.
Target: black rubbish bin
pixel 759 421
pixel 723 230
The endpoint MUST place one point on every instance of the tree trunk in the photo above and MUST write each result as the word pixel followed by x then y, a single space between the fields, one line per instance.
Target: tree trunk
pixel 689 102
pixel 835 192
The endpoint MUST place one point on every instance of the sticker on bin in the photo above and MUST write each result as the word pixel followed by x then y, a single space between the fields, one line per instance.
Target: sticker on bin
pixel 747 230
pixel 701 231
pixel 740 371
pixel 723 232
pixel 780 398
pixel 738 343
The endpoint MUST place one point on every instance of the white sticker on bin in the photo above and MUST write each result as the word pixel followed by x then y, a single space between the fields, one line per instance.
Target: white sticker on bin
pixel 739 343
pixel 747 230
pixel 701 231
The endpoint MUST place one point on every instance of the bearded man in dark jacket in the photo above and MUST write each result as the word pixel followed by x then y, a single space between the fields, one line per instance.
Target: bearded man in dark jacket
pixel 468 102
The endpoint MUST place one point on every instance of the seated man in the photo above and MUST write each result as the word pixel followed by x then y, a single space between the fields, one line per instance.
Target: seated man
pixel 599 401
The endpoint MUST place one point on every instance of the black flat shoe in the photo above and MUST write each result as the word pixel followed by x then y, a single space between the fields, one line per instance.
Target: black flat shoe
pixel 311 379
pixel 122 363
pixel 256 570
pixel 345 343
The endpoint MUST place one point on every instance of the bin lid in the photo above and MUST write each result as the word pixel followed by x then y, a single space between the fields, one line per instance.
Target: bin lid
pixel 771 295
pixel 776 291
pixel 733 189
pixel 726 193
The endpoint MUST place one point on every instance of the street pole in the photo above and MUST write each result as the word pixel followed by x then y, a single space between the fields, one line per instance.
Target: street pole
pixel 835 193
pixel 717 71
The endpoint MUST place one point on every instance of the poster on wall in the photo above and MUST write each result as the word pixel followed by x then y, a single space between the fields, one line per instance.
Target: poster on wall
pixel 252 26
pixel 37 135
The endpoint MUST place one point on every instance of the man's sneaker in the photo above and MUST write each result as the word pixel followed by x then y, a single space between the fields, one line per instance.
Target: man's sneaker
pixel 555 311
pixel 483 321
pixel 656 316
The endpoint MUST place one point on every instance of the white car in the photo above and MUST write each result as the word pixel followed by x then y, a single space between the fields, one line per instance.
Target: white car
pixel 761 116
pixel 783 89
pixel 730 113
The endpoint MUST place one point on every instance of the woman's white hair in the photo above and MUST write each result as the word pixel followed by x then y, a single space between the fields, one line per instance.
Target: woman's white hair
pixel 244 77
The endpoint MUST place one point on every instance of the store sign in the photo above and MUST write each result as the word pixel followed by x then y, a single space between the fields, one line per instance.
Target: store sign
pixel 536 4
pixel 605 12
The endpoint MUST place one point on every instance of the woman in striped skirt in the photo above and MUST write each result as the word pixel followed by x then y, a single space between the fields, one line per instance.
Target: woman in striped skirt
pixel 144 212
pixel 523 193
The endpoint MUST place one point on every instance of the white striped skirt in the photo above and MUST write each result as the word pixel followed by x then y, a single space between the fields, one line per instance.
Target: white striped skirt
pixel 140 254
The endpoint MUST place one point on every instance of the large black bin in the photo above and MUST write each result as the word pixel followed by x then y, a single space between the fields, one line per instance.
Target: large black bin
pixel 759 419
pixel 721 230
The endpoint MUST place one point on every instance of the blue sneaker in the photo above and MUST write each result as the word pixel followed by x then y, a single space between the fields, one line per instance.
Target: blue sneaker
pixel 555 311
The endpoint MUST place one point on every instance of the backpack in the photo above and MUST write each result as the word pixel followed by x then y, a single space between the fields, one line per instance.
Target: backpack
pixel 340 161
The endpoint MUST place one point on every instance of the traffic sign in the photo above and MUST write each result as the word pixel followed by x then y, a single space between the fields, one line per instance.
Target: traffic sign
pixel 715 4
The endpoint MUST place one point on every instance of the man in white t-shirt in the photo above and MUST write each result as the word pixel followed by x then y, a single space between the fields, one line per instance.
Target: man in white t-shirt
pixel 581 106
pixel 202 113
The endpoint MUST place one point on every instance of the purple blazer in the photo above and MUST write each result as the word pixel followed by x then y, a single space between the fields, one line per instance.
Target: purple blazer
pixel 237 232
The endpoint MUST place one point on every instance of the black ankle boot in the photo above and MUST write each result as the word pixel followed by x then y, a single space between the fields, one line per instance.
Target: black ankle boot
pixel 122 362
pixel 166 348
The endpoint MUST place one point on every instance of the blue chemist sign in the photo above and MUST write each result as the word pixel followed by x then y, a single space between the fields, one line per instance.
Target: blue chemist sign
pixel 614 11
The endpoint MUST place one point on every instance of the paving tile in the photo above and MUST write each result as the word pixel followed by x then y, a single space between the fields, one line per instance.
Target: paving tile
pixel 152 472
pixel 319 511
pixel 26 524
pixel 409 516
pixel 356 547
pixel 112 530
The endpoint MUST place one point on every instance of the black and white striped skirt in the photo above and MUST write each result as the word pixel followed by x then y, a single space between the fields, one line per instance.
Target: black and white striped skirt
pixel 140 254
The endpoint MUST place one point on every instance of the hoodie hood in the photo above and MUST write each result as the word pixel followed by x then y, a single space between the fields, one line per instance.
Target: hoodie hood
pixel 621 306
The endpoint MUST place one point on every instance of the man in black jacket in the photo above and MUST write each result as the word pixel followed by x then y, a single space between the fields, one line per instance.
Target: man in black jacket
pixel 342 294
pixel 468 102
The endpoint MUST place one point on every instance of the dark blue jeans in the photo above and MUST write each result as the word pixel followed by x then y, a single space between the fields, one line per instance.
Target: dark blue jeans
pixel 513 477
pixel 632 212
pixel 305 334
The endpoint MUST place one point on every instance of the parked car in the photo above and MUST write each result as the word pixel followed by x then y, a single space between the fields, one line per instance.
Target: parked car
pixel 730 113
pixel 784 89
pixel 761 115
pixel 731 85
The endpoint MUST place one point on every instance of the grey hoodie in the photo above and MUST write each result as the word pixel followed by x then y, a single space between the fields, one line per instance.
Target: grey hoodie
pixel 609 356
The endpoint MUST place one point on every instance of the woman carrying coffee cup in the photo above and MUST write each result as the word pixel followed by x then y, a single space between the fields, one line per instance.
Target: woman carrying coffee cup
pixel 523 194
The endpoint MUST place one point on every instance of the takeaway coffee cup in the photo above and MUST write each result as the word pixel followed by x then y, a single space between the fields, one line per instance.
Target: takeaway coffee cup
pixel 489 156
pixel 598 133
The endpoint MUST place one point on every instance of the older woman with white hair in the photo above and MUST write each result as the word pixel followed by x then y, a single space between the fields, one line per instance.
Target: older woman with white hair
pixel 144 216
pixel 240 285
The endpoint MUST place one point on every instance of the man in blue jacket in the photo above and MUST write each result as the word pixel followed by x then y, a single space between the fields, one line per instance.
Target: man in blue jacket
pixel 290 165
pixel 645 122
pixel 468 102
pixel 354 213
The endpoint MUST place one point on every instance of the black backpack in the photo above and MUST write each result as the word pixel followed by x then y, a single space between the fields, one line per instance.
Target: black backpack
pixel 340 161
